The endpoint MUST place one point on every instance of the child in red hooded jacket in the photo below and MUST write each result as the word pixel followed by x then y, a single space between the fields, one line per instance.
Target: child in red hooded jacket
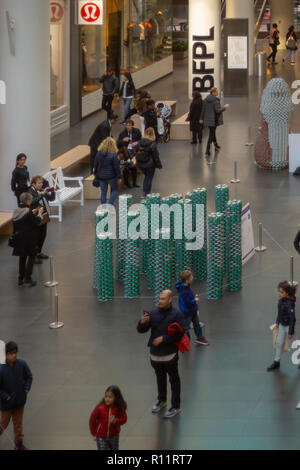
pixel 107 419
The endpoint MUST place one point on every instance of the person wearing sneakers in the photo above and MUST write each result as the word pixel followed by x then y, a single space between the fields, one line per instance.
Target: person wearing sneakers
pixel 286 320
pixel 163 350
pixel 15 383
pixel 291 45
pixel 188 306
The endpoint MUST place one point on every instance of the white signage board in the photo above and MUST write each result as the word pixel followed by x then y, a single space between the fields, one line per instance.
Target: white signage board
pixel 2 353
pixel 248 249
pixel 90 12
pixel 237 52
pixel 294 152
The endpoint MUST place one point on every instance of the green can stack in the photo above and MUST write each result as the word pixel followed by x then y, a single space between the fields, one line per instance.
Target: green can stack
pixel 152 199
pixel 162 274
pixel 215 256
pixel 125 201
pixel 105 278
pixel 143 243
pixel 199 257
pixel 132 261
pixel 234 240
pixel 100 214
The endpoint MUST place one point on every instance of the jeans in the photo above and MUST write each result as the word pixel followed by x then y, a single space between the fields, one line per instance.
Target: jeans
pixel 107 104
pixel 290 53
pixel 127 103
pixel 108 444
pixel 192 317
pixel 273 53
pixel 114 187
pixel 282 332
pixel 147 185
pixel 170 368
pixel 16 415
pixel 25 269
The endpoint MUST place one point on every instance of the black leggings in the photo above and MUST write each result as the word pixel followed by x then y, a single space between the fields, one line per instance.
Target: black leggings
pixel 273 53
pixel 25 269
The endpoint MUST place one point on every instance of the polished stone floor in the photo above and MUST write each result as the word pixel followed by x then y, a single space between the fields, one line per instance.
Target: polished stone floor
pixel 229 401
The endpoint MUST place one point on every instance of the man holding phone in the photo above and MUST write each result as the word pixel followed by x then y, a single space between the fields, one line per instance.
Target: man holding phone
pixel 163 350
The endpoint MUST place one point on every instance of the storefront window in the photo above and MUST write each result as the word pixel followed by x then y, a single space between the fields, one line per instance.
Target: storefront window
pixel 58 53
pixel 147 32
pixel 93 56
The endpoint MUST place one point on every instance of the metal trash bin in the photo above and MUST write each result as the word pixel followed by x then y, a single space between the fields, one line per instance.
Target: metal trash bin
pixel 260 64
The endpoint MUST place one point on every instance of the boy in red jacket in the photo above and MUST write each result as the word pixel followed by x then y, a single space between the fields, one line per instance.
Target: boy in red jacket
pixel 107 419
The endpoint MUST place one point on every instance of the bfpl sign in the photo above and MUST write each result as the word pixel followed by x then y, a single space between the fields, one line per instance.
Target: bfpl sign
pixel 57 12
pixel 203 75
pixel 90 12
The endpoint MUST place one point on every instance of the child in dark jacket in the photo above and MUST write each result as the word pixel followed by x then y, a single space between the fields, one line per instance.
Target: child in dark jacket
pixel 285 321
pixel 188 306
pixel 107 419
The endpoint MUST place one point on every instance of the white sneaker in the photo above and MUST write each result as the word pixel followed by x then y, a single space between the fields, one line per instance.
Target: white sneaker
pixel 159 406
pixel 172 412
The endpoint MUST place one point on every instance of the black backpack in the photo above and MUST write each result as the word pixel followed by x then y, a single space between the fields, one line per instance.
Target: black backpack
pixel 144 158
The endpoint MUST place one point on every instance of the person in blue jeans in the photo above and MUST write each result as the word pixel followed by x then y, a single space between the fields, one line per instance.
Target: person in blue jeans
pixel 107 170
pixel 147 158
pixel 188 306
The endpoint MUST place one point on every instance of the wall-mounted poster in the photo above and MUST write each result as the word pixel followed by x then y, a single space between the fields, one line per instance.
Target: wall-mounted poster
pixel 237 52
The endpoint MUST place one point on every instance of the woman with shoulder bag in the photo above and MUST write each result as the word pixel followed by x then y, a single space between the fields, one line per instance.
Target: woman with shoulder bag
pixel 107 170
pixel 291 45
pixel 26 223
pixel 147 158
pixel 274 43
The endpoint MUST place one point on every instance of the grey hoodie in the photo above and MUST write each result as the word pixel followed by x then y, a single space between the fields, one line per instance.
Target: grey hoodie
pixel 212 112
pixel 19 213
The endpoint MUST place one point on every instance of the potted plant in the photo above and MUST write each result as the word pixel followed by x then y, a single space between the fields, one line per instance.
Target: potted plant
pixel 180 50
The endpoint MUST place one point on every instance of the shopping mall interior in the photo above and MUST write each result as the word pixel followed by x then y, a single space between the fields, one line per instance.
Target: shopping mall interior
pixel 228 399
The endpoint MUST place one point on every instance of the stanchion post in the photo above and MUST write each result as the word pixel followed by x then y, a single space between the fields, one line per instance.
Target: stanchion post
pixel 56 324
pixel 292 282
pixel 260 246
pixel 249 143
pixel 235 179
pixel 52 282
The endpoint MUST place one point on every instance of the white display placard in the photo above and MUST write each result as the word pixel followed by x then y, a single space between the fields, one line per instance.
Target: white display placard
pixel 248 249
pixel 90 12
pixel 237 52
pixel 294 152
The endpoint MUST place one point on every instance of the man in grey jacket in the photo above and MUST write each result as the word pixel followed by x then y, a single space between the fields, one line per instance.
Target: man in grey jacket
pixel 212 117
pixel 110 87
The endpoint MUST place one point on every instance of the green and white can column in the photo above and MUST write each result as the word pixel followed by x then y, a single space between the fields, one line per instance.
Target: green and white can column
pixel 100 215
pixel 152 200
pixel 105 277
pixel 215 256
pixel 132 259
pixel 222 197
pixel 234 241
pixel 162 275
pixel 125 201
pixel 199 257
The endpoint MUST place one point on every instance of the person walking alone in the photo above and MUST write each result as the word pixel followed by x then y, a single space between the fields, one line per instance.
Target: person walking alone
pixel 163 350
pixel 110 87
pixel 127 92
pixel 20 181
pixel 212 117
pixel 291 45
pixel 194 117
pixel 274 43
pixel 147 158
pixel 15 383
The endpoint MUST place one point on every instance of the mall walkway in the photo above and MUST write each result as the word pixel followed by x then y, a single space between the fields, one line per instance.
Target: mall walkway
pixel 229 401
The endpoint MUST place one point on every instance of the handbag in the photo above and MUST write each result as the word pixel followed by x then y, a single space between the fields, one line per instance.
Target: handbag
pixel 96 183
pixel 285 346
pixel 12 240
pixel 45 219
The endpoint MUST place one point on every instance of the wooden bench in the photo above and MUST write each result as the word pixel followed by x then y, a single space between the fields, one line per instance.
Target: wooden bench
pixel 180 129
pixel 172 104
pixel 71 158
pixel 64 193
pixel 6 225
pixel 90 192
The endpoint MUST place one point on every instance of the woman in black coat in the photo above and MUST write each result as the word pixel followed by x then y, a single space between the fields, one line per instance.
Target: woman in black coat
pixel 194 117
pixel 26 222
pixel 127 93
pixel 20 177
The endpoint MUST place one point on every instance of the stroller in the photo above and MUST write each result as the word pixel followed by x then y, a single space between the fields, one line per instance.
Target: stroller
pixel 163 123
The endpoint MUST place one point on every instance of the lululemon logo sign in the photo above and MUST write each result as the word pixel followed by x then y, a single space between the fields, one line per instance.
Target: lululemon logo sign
pixel 91 12
pixel 57 12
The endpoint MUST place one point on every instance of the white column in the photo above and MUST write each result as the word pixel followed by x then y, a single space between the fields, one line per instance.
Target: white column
pixel 204 45
pixel 25 118
pixel 244 9
pixel 282 13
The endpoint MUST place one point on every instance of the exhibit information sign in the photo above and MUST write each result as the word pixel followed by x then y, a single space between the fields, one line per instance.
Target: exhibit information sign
pixel 294 152
pixel 90 12
pixel 248 249
pixel 237 52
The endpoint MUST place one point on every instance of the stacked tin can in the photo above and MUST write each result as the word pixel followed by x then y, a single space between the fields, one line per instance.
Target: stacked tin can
pixel 100 215
pixel 132 259
pixel 182 255
pixel 234 240
pixel 125 201
pixel 199 257
pixel 215 256
pixel 222 197
pixel 162 275
pixel 152 199
pixel 105 277
pixel 143 243
pixel 173 199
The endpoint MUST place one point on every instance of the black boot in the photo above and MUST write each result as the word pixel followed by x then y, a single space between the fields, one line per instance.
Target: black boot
pixel 134 177
pixel 217 146
pixel 207 153
pixel 275 365
pixel 126 180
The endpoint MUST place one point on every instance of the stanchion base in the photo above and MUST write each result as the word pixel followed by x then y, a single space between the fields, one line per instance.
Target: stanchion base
pixel 51 284
pixel 56 325
pixel 210 162
pixel 298 406
pixel 260 248
pixel 235 181
pixel 294 283
pixel 249 144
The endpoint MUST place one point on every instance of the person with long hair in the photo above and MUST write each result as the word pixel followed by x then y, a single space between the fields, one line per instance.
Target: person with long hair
pixel 127 93
pixel 291 45
pixel 20 181
pixel 107 169
pixel 285 321
pixel 147 158
pixel 212 117
pixel 274 43
pixel 107 418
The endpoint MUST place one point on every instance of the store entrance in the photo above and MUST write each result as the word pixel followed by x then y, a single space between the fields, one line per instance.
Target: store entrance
pixel 114 41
